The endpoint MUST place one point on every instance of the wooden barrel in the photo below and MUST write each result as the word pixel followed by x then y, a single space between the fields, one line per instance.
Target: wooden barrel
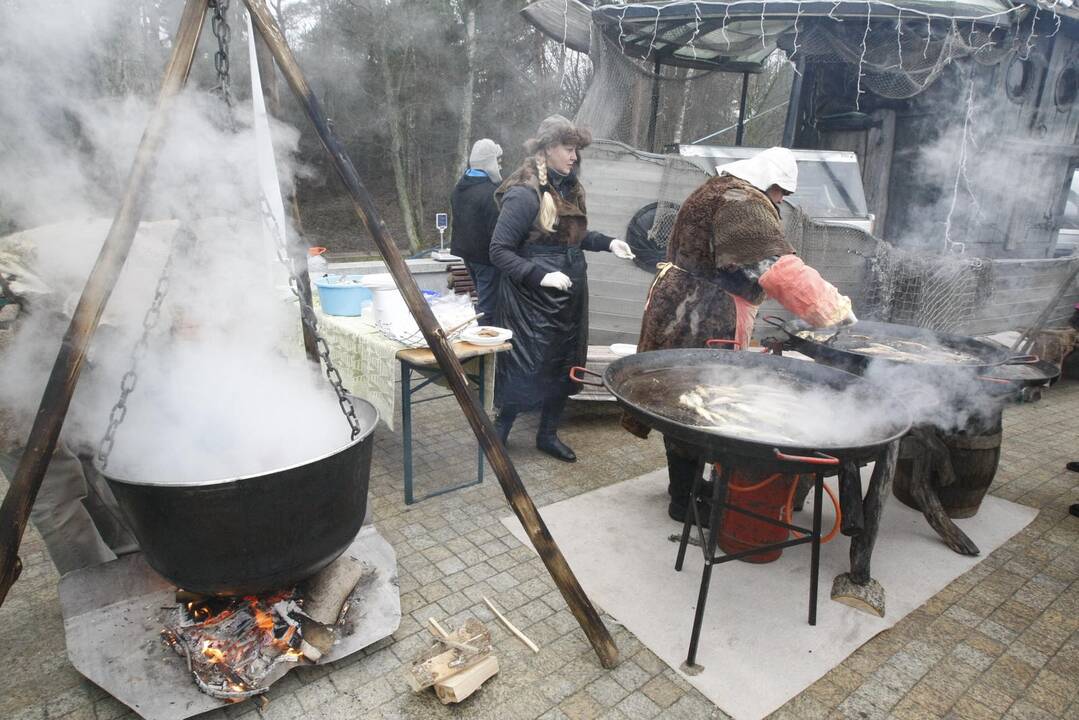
pixel 975 454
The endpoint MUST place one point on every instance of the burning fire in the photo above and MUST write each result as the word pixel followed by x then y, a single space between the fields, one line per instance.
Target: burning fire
pixel 231 644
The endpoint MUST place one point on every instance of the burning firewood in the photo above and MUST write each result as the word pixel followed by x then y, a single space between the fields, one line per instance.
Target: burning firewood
pixel 232 644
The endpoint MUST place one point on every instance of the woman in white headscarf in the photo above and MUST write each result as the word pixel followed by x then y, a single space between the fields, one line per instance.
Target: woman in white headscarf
pixel 726 255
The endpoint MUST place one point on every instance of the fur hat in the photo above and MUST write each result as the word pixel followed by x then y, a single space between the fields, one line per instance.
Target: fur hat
pixel 484 156
pixel 557 129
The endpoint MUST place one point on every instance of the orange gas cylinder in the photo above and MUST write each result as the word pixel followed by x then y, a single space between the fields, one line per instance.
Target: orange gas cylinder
pixel 764 495
pixel 771 496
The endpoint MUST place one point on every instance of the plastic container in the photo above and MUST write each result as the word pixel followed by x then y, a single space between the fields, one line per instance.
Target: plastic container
pixel 388 304
pixel 342 294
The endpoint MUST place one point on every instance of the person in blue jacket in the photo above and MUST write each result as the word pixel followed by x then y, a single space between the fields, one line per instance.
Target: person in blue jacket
pixel 475 213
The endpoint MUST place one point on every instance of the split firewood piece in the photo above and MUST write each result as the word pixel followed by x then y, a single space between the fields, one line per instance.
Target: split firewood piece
pixel 438 663
pixel 461 685
pixel 329 590
pixel 444 637
pixel 511 627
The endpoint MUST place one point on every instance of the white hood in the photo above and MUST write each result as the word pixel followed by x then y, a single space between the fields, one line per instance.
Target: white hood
pixel 774 166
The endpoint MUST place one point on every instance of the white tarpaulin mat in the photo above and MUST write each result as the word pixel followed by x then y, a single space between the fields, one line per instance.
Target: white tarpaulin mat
pixel 756 646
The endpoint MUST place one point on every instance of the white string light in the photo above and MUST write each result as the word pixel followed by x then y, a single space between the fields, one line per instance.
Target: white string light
pixel 861 59
pixel 961 170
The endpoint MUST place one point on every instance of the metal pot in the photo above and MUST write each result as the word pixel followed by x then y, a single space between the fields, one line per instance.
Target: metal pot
pixel 840 349
pixel 257 533
pixel 775 457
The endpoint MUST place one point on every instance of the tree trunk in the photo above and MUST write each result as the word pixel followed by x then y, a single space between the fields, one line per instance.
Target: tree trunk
pixel 397 153
pixel 465 134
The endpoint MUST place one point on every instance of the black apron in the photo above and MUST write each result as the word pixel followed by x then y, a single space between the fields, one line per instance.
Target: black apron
pixel 550 330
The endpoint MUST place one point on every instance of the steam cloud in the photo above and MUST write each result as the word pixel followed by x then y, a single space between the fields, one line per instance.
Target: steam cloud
pixel 224 389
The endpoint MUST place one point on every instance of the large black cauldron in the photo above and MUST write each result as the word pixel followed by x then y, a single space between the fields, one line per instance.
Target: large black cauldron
pixel 246 535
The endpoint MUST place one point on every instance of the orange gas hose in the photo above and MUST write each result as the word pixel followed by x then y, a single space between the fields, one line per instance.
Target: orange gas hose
pixel 788 512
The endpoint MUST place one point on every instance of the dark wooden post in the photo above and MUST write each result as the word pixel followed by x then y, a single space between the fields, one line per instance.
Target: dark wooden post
pixel 512 486
pixel 653 117
pixel 741 131
pixel 45 432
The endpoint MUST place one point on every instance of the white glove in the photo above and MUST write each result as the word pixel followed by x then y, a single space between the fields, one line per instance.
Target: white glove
pixel 850 319
pixel 556 280
pixel 621 249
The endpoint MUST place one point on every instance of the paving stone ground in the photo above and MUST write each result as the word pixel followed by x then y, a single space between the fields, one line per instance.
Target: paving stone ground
pixel 1001 641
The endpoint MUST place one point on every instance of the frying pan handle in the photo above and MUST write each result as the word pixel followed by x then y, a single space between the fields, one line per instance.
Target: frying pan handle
pixel 820 459
pixel 716 342
pixel 576 375
pixel 776 322
pixel 1022 360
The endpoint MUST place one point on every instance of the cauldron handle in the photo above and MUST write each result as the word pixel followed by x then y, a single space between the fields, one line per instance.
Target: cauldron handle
pixel 577 370
pixel 818 459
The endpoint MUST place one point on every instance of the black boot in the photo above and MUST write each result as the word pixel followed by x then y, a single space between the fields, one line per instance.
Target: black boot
pixel 546 439
pixel 681 472
pixel 504 422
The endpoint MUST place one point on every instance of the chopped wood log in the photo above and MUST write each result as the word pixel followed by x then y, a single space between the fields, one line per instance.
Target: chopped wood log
pixel 460 686
pixel 868 598
pixel 327 592
pixel 318 636
pixel 437 663
pixel 511 627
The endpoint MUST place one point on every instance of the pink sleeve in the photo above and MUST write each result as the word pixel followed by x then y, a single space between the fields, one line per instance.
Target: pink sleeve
pixel 800 289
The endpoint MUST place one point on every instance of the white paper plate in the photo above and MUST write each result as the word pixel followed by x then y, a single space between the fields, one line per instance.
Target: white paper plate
pixel 474 336
pixel 623 349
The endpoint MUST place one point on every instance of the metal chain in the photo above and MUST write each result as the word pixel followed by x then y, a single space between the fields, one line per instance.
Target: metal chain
pixel 307 315
pixel 131 377
pixel 220 25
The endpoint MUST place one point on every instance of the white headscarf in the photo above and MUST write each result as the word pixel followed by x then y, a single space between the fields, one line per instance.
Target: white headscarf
pixel 774 166
pixel 484 156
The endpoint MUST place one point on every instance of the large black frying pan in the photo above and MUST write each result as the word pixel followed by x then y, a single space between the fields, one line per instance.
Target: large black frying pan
pixel 839 347
pixel 655 403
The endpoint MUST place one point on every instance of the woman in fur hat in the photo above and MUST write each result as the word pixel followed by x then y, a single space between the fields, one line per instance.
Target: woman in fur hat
pixel 543 297
pixel 726 255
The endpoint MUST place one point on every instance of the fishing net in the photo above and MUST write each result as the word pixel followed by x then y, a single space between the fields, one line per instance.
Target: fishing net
pixel 691 104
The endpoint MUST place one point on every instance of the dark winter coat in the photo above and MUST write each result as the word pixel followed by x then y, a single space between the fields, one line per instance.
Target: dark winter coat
pixel 475 213
pixel 550 327
pixel 724 230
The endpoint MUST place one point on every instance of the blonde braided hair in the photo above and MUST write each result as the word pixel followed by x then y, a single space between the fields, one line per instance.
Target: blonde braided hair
pixel 548 213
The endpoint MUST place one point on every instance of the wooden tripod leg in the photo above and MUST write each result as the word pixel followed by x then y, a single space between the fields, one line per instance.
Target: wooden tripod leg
pixel 880 486
pixel 45 431
pixel 514 489
pixel 926 497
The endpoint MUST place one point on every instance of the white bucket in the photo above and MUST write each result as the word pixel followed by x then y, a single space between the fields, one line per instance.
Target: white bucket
pixel 390 311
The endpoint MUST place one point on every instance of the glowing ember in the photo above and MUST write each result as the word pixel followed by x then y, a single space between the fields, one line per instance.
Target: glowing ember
pixel 232 644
